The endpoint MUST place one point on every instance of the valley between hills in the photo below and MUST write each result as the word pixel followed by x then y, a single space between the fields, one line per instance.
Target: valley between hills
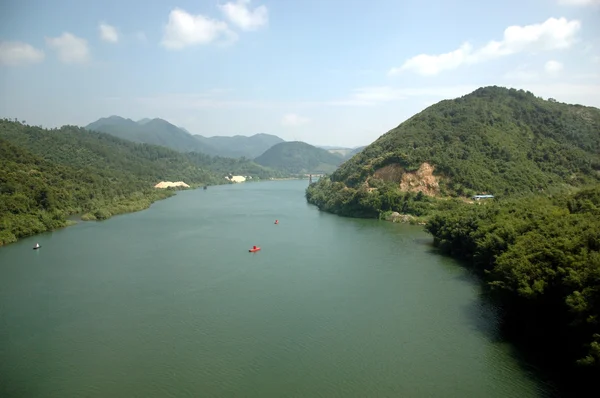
pixel 534 240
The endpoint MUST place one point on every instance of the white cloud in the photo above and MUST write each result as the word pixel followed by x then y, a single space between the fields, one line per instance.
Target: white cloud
pixel 239 15
pixel 553 67
pixel 428 65
pixel 292 119
pixel 108 33
pixel 14 53
pixel 71 49
pixel 579 2
pixel 185 29
pixel 553 34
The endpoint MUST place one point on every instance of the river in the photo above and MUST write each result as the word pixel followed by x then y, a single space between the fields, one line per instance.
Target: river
pixel 168 302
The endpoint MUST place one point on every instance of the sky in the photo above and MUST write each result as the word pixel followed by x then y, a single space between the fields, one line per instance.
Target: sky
pixel 333 72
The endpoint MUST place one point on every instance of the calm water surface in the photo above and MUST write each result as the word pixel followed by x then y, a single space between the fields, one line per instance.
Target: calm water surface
pixel 168 302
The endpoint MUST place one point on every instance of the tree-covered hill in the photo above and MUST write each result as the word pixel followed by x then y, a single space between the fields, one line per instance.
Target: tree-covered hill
pixel 299 157
pixel 77 147
pixel 495 140
pixel 46 175
pixel 535 245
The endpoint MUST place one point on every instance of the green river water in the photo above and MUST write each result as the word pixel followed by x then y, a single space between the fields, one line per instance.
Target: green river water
pixel 168 302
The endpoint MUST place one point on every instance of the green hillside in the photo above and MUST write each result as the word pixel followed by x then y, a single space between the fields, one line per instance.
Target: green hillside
pixel 161 132
pixel 298 158
pixel 494 140
pixel 535 246
pixel 46 175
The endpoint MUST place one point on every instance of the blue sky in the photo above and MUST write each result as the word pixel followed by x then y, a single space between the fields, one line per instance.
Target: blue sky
pixel 325 72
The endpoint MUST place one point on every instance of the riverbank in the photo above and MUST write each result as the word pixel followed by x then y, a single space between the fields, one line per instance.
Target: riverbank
pixel 128 205
pixel 14 227
pixel 536 255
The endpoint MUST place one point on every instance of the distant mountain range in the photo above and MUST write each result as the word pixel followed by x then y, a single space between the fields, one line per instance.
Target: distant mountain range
pixel 161 132
pixel 265 150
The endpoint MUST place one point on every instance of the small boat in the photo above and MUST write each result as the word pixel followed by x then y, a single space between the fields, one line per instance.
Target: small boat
pixel 254 249
pixel 205 187
pixel 37 246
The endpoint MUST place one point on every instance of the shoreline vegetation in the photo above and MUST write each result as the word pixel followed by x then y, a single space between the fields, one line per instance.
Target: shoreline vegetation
pixel 535 245
pixel 12 229
pixel 138 201
pixel 48 175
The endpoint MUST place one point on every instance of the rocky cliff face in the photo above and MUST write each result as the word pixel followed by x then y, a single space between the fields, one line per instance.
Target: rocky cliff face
pixel 421 180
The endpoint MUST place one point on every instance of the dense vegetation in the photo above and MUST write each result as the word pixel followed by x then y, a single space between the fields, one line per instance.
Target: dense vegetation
pixel 299 157
pixel 494 140
pixel 47 175
pixel 536 245
pixel 540 258
pixel 160 132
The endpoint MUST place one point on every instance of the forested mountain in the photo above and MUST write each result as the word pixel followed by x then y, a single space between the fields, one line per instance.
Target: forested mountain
pixel 299 157
pixel 45 175
pixel 77 147
pixel 160 132
pixel 536 245
pixel 494 140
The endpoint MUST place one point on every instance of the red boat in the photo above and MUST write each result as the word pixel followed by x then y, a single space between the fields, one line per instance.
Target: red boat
pixel 254 249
